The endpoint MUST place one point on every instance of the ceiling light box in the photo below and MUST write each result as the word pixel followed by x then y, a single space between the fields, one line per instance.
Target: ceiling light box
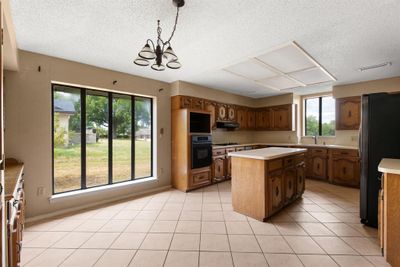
pixel 284 67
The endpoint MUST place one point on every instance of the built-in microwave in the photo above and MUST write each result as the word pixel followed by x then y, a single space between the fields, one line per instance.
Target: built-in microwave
pixel 200 122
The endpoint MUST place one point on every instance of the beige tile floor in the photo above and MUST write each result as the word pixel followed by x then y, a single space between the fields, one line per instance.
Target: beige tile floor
pixel 201 229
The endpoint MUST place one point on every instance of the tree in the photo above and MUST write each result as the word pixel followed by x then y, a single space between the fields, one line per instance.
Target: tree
pixel 312 126
pixel 59 132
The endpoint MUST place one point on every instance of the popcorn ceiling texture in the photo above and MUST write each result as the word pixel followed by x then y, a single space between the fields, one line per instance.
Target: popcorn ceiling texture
pixel 341 35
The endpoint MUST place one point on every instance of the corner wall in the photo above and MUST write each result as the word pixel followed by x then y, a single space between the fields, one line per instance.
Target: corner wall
pixel 28 124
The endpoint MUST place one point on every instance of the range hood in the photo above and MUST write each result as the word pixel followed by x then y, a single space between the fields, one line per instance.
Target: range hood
pixel 227 124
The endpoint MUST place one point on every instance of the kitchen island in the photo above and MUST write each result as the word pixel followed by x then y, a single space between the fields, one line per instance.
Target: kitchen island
pixel 266 180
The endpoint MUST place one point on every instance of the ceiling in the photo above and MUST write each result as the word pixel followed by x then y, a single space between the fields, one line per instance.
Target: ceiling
pixel 211 36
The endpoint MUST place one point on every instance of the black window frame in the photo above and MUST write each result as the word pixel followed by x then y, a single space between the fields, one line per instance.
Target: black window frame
pixel 319 115
pixel 83 93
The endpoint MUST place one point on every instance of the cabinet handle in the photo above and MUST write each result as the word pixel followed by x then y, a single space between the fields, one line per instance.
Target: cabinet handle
pixel 318 166
pixel 290 184
pixel 301 179
pixel 280 118
pixel 344 170
pixel 277 191
pixel 349 113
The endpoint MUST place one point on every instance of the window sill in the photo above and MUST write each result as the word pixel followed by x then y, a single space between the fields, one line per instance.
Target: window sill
pixel 98 190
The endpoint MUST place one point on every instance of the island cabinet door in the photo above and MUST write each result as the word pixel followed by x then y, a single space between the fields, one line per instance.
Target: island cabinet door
pixel 289 184
pixel 300 179
pixel 219 168
pixel 275 193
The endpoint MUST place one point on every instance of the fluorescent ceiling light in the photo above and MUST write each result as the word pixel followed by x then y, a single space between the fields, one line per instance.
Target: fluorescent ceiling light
pixel 280 83
pixel 375 66
pixel 251 70
pixel 311 76
pixel 288 58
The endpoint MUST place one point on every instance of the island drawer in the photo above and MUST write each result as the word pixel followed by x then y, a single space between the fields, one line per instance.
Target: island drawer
pixel 218 152
pixel 289 161
pixel 229 150
pixel 274 165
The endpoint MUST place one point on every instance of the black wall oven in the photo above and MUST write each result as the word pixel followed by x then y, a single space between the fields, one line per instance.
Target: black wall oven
pixel 201 151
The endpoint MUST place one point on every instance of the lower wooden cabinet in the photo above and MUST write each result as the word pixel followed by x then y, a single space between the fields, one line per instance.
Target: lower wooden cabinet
pixel 344 167
pixel 318 167
pixel 300 172
pixel 200 177
pixel 219 168
pixel 275 193
pixel 289 178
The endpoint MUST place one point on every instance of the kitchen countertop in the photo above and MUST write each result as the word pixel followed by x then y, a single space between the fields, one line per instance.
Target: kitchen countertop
pixel 13 170
pixel 267 153
pixel 288 144
pixel 389 166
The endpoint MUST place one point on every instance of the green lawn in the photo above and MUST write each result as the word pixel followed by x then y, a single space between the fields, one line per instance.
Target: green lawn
pixel 67 163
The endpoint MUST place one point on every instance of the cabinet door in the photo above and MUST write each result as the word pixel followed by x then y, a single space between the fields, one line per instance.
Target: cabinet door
pixel 222 112
pixel 219 168
pixel 211 107
pixel 281 118
pixel 197 103
pixel 289 178
pixel 186 102
pixel 251 119
pixel 346 171
pixel 276 200
pixel 242 119
pixel 300 180
pixel 231 110
pixel 319 168
pixel 267 119
pixel 348 113
pixel 260 120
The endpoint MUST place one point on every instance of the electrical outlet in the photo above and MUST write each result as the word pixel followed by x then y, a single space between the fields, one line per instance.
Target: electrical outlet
pixel 354 138
pixel 161 171
pixel 40 191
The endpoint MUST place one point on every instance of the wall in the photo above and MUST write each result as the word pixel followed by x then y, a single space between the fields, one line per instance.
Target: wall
pixel 28 124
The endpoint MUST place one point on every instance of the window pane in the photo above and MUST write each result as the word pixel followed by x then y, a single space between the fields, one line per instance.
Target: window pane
pixel 328 116
pixel 121 134
pixel 67 139
pixel 312 116
pixel 143 137
pixel 96 138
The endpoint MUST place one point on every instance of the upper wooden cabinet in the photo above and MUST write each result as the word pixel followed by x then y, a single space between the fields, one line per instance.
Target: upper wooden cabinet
pixel 283 118
pixel 275 118
pixel 251 119
pixel 348 113
pixel 212 108
pixel 222 112
pixel 241 115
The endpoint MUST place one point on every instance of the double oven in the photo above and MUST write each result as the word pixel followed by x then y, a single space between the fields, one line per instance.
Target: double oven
pixel 201 150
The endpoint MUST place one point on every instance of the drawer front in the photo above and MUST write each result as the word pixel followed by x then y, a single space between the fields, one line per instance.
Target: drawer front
pixel 229 150
pixel 274 165
pixel 218 152
pixel 201 178
pixel 288 162
pixel 319 151
pixel 345 152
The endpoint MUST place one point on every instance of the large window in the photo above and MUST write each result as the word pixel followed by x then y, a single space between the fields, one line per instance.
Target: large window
pixel 93 144
pixel 319 116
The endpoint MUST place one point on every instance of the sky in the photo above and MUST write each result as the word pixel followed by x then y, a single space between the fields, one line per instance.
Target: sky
pixel 328 108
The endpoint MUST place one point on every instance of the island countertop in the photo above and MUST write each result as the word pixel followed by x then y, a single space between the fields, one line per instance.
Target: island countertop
pixel 267 153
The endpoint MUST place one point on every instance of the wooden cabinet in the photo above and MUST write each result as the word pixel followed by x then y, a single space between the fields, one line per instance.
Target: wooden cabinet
pixel 219 168
pixel 222 113
pixel 261 119
pixel 344 167
pixel 289 178
pixel 348 113
pixel 231 110
pixel 242 118
pixel 300 173
pixel 197 103
pixel 228 161
pixel 180 101
pixel 318 167
pixel 251 119
pixel 389 214
pixel 211 107
pixel 283 119
pixel 200 177
pixel 276 194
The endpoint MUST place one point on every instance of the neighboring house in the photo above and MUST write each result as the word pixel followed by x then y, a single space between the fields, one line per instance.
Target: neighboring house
pixel 65 109
pixel 143 134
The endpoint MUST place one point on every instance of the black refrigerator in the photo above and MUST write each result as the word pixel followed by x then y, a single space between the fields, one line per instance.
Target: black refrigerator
pixel 379 138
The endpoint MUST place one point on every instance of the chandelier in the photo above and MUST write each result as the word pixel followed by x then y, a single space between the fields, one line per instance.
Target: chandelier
pixel 157 51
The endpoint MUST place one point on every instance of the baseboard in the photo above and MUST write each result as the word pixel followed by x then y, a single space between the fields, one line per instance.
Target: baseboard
pixel 95 204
